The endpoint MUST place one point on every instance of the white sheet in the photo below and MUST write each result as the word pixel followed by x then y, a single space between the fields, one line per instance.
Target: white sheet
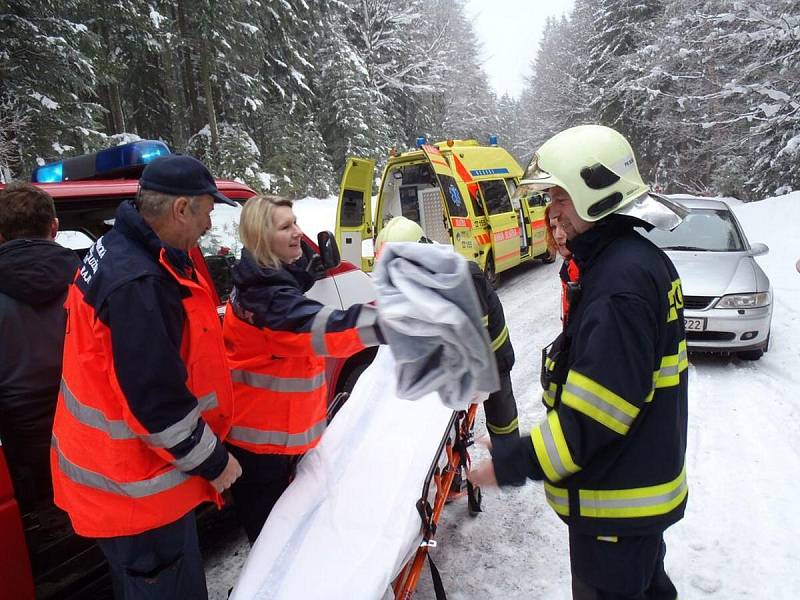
pixel 348 522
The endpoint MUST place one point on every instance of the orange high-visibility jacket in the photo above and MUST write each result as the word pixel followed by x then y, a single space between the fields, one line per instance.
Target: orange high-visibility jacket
pixel 139 419
pixel 276 340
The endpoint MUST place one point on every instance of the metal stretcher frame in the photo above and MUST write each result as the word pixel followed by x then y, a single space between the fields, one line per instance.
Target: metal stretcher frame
pixel 453 447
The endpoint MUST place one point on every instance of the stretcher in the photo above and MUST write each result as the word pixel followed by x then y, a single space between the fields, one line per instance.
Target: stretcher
pixel 360 516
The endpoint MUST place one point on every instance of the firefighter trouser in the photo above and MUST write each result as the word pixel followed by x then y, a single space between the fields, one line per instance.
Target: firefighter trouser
pixel 501 413
pixel 160 564
pixel 264 478
pixel 623 568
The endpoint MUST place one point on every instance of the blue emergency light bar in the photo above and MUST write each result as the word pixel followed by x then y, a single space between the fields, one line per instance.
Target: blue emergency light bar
pixel 493 140
pixel 421 141
pixel 106 164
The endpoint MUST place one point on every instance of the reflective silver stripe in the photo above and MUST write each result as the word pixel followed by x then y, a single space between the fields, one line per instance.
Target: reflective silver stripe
pixel 669 371
pixel 599 403
pixel 92 417
pixel 132 489
pixel 278 384
pixel 318 328
pixel 208 401
pixel 556 500
pixel 366 324
pixel 201 451
pixel 683 355
pixel 552 451
pixel 178 432
pixel 119 430
pixel 277 438
pixel 175 433
pixel 623 503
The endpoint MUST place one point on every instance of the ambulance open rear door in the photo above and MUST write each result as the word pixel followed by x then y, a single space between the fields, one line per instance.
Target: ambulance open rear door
pixel 354 211
pixel 458 222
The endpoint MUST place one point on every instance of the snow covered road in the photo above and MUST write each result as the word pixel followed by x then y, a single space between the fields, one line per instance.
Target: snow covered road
pixel 739 537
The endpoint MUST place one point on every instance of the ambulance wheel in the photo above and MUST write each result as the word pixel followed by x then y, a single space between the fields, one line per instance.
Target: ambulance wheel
pixel 490 271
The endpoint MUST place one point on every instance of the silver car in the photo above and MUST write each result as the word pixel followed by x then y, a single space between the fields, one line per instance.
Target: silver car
pixel 727 297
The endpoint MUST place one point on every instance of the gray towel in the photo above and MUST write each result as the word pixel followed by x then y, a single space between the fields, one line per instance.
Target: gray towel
pixel 431 318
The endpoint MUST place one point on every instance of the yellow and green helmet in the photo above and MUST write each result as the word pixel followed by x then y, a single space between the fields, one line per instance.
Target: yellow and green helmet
pixel 596 166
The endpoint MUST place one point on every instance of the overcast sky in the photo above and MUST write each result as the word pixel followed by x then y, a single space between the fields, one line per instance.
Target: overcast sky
pixel 509 31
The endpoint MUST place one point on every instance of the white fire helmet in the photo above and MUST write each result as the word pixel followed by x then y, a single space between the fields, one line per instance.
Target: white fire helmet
pixel 596 166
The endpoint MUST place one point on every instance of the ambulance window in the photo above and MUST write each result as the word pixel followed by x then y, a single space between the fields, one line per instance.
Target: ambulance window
pixel 352 208
pixel 409 203
pixel 477 204
pixel 496 196
pixel 455 203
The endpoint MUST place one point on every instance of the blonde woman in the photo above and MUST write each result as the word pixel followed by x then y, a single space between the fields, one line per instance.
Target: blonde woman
pixel 277 340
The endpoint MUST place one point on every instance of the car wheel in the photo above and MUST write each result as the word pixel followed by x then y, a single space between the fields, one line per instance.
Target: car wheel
pixel 548 257
pixel 490 271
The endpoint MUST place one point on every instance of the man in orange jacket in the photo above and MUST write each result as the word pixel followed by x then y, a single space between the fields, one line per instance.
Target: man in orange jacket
pixel 146 397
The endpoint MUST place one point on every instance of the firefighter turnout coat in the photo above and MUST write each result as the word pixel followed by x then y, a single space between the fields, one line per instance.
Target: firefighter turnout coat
pixel 612 447
pixel 277 340
pixel 145 396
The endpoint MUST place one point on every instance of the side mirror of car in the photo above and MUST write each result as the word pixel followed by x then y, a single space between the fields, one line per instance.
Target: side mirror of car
pixel 758 249
pixel 328 250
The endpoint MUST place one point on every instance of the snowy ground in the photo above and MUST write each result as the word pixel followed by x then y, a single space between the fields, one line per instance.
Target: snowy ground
pixel 739 537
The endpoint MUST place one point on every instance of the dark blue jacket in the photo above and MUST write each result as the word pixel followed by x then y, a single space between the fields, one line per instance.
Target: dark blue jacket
pixel 612 448
pixel 141 305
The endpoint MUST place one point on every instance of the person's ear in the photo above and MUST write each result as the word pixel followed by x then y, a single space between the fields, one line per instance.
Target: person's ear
pixel 180 208
pixel 54 228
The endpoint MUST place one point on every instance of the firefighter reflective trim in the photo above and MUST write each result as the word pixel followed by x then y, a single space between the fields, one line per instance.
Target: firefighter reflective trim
pixel 278 438
pixel 510 428
pixel 318 327
pixel 278 384
pixel 485 320
pixel 549 364
pixel 648 501
pixel 557 498
pixel 500 339
pixel 549 395
pixel 118 429
pixel 552 450
pixel 599 403
pixel 132 489
pixel 671 368
pixel 366 325
pixel 201 451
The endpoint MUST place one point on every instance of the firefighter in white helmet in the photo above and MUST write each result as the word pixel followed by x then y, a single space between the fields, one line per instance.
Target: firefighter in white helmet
pixel 500 407
pixel 611 450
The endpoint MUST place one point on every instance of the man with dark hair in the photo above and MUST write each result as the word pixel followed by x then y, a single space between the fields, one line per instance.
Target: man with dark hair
pixel 34 275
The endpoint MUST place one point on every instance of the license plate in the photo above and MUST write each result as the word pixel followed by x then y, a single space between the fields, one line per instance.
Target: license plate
pixel 694 323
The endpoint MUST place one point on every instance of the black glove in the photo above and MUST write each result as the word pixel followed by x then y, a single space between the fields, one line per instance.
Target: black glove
pixel 315 267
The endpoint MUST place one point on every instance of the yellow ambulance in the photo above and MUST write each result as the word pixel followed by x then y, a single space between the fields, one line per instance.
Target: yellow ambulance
pixel 460 192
